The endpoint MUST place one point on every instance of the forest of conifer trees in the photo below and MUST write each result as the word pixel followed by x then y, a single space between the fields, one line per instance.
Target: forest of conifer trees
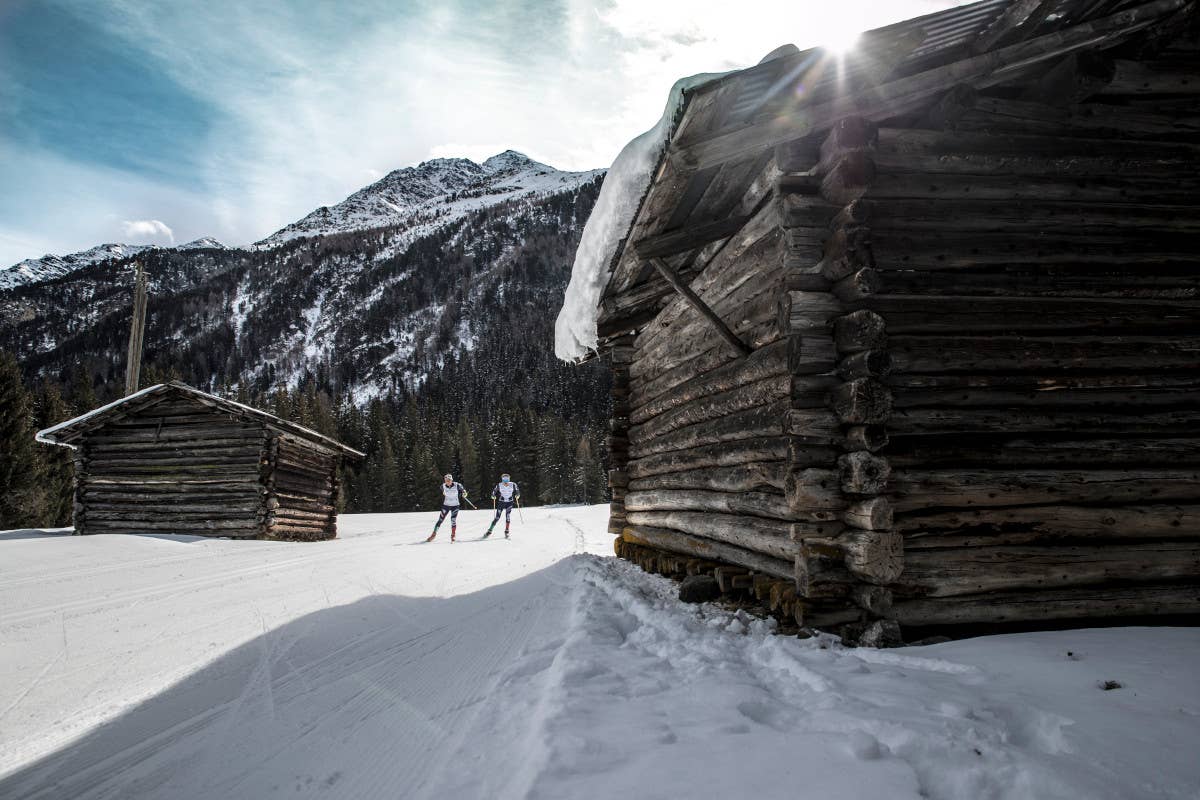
pixel 410 443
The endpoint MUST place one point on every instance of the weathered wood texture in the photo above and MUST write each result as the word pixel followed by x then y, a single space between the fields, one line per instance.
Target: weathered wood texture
pixel 972 320
pixel 1037 285
pixel 180 466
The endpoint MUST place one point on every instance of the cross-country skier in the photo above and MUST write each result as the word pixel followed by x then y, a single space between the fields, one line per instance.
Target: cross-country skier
pixel 452 493
pixel 504 495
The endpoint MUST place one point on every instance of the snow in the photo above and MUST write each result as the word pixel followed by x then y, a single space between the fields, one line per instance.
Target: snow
pixel 47 436
pixel 625 185
pixel 433 194
pixel 372 666
pixel 203 243
pixel 48 267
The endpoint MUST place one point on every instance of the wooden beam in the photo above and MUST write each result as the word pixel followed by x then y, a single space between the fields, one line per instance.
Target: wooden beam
pixel 674 242
pixel 137 328
pixel 911 92
pixel 1022 14
pixel 672 278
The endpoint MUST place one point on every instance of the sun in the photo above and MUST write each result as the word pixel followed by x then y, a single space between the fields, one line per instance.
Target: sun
pixel 840 38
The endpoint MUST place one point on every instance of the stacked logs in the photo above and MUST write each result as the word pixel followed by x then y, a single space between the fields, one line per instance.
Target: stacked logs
pixel 177 461
pixel 302 486
pixel 703 464
pixel 840 402
pixel 620 355
pixel 175 467
pixel 771 594
pixel 762 594
pixel 1038 284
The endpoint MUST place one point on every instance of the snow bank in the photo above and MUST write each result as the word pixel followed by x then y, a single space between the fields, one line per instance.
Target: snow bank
pixel 181 667
pixel 624 186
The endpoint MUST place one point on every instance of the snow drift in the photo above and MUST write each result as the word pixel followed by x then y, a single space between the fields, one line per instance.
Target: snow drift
pixel 624 187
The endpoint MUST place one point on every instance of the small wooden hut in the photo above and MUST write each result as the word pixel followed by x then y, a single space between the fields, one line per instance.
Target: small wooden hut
pixel 911 336
pixel 173 459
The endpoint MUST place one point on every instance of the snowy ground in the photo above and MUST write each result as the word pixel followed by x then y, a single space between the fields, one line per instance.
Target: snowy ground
pixel 175 667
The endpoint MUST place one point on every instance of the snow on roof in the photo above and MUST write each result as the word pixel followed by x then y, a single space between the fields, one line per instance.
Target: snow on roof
pixel 49 435
pixel 625 185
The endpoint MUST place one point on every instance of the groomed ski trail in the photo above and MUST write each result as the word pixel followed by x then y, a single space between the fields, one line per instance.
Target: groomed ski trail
pixel 542 669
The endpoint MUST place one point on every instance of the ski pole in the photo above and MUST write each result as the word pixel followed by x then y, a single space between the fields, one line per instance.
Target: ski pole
pixel 519 514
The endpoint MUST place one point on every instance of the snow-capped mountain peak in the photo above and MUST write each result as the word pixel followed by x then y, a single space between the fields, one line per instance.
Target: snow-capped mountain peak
pixel 203 243
pixel 512 161
pixel 434 193
pixel 416 200
pixel 49 266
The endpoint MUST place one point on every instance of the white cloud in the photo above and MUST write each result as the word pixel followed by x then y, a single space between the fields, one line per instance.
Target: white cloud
pixel 147 231
pixel 314 101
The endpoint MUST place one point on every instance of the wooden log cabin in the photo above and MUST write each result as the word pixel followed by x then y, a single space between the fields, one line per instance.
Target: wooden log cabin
pixel 909 337
pixel 173 459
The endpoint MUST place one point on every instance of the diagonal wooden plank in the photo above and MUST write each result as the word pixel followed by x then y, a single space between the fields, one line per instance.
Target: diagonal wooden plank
pixel 685 290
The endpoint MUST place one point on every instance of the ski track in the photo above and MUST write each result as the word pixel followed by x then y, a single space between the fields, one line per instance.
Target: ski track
pixel 396 684
pixel 533 669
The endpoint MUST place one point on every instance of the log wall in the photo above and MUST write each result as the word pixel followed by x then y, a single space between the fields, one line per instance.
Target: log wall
pixel 302 489
pixel 1033 295
pixel 972 389
pixel 176 467
pixel 698 447
pixel 179 466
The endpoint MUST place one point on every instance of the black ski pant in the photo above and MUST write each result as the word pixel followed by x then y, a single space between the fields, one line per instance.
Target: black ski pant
pixel 502 507
pixel 453 512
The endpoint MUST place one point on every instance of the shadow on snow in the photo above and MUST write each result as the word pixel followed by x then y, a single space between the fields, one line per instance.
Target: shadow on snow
pixel 367 699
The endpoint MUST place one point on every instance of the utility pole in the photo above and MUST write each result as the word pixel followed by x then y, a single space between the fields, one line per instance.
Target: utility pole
pixel 133 363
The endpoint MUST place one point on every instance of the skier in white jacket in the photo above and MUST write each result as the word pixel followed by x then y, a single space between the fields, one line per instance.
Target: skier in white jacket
pixel 452 493
pixel 504 495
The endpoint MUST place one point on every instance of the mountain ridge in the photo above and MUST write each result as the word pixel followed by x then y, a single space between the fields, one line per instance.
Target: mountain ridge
pixel 433 192
pixel 414 200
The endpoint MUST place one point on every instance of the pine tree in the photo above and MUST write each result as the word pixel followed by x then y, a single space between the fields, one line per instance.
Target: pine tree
pixel 56 467
pixel 425 492
pixel 83 392
pixel 588 482
pixel 553 461
pixel 468 472
pixel 22 502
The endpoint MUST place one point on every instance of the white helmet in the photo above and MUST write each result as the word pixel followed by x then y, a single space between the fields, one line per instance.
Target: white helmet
pixel 447 477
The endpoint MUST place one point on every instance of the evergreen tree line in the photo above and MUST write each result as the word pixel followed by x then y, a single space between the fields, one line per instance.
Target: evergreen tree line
pixel 409 442
pixel 449 333
pixel 35 479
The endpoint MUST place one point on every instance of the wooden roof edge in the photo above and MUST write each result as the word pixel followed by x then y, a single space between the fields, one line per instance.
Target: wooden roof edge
pixel 1136 16
pixel 65 433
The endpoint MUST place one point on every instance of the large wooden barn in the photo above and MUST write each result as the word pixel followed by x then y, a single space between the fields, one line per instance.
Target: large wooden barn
pixel 173 459
pixel 911 336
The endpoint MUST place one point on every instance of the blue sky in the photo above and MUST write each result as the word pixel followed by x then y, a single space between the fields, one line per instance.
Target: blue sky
pixel 161 121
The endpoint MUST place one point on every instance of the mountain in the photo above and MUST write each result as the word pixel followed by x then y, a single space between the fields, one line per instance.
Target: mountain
pixel 34 270
pixel 425 342
pixel 203 243
pixel 419 199
pixel 453 263
pixel 48 267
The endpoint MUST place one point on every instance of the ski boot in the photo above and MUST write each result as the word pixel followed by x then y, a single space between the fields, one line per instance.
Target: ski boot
pixel 505 531
pixel 453 531
pixel 430 539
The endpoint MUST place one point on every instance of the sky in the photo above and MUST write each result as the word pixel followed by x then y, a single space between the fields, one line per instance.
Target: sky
pixel 160 122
